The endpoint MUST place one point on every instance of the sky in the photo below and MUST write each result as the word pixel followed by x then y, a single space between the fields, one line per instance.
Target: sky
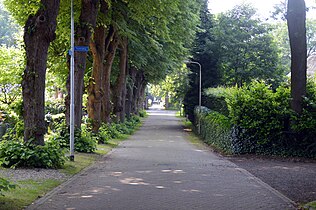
pixel 263 6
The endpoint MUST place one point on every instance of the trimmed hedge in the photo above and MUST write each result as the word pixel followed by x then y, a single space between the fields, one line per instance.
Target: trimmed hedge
pixel 260 121
pixel 215 129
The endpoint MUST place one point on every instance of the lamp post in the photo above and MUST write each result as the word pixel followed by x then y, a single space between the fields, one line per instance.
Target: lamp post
pixel 200 90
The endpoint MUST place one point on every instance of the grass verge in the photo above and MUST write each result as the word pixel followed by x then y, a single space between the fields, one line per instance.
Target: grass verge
pixel 309 206
pixel 27 191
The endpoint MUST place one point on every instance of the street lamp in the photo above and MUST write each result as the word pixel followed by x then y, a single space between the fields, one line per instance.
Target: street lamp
pixel 200 90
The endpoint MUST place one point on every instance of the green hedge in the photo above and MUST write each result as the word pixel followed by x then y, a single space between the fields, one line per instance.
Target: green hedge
pixel 215 129
pixel 258 115
pixel 260 121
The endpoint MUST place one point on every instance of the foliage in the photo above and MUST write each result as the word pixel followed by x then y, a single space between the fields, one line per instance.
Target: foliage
pixel 18 154
pixel 174 85
pixel 84 140
pixel 5 185
pixel 215 129
pixel 21 9
pixel 54 106
pixel 311 36
pixel 247 50
pixel 264 123
pixel 205 52
pixel 15 131
pixel 158 39
pixel 215 99
pixel 11 61
pixel 8 28
pixel 257 114
pixel 261 120
pixel 116 130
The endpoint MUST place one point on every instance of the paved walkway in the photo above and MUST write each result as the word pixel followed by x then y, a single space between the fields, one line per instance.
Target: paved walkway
pixel 157 168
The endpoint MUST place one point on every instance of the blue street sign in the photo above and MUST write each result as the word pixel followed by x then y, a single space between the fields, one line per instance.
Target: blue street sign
pixel 82 48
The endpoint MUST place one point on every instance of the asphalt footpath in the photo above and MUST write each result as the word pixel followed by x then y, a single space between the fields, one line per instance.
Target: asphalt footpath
pixel 158 168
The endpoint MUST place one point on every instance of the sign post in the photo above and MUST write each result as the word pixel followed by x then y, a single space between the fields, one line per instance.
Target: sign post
pixel 72 83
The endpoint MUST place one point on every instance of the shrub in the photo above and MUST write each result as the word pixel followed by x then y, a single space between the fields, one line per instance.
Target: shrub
pixel 215 129
pixel 262 121
pixel 142 113
pixel 84 140
pixel 14 132
pixel 5 185
pixel 55 106
pixel 20 154
pixel 216 99
pixel 104 134
pixel 258 115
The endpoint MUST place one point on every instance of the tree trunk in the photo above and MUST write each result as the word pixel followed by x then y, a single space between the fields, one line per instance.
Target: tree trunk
pixel 130 91
pixel 95 92
pixel 137 101
pixel 95 89
pixel 39 31
pixel 296 17
pixel 106 78
pixel 87 19
pixel 124 93
pixel 120 82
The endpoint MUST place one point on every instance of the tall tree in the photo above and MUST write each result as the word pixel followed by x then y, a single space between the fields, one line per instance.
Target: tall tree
pixel 99 44
pixel 247 50
pixel 296 19
pixel 205 51
pixel 120 84
pixel 39 32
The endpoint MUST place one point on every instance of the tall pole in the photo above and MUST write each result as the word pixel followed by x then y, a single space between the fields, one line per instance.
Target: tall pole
pixel 200 91
pixel 200 96
pixel 72 82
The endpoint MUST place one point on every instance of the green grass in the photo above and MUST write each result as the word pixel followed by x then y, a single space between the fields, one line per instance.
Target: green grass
pixel 25 193
pixel 28 191
pixel 82 160
pixel 310 206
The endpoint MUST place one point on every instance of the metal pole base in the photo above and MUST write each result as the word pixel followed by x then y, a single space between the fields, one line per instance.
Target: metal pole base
pixel 72 158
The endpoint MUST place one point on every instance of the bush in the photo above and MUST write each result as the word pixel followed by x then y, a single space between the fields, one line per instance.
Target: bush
pixel 84 140
pixel 216 99
pixel 14 129
pixel 215 129
pixel 265 124
pixel 142 113
pixel 258 115
pixel 262 121
pixel 55 106
pixel 5 185
pixel 19 154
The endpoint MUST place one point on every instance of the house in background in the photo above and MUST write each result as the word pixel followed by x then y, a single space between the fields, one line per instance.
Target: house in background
pixel 311 65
